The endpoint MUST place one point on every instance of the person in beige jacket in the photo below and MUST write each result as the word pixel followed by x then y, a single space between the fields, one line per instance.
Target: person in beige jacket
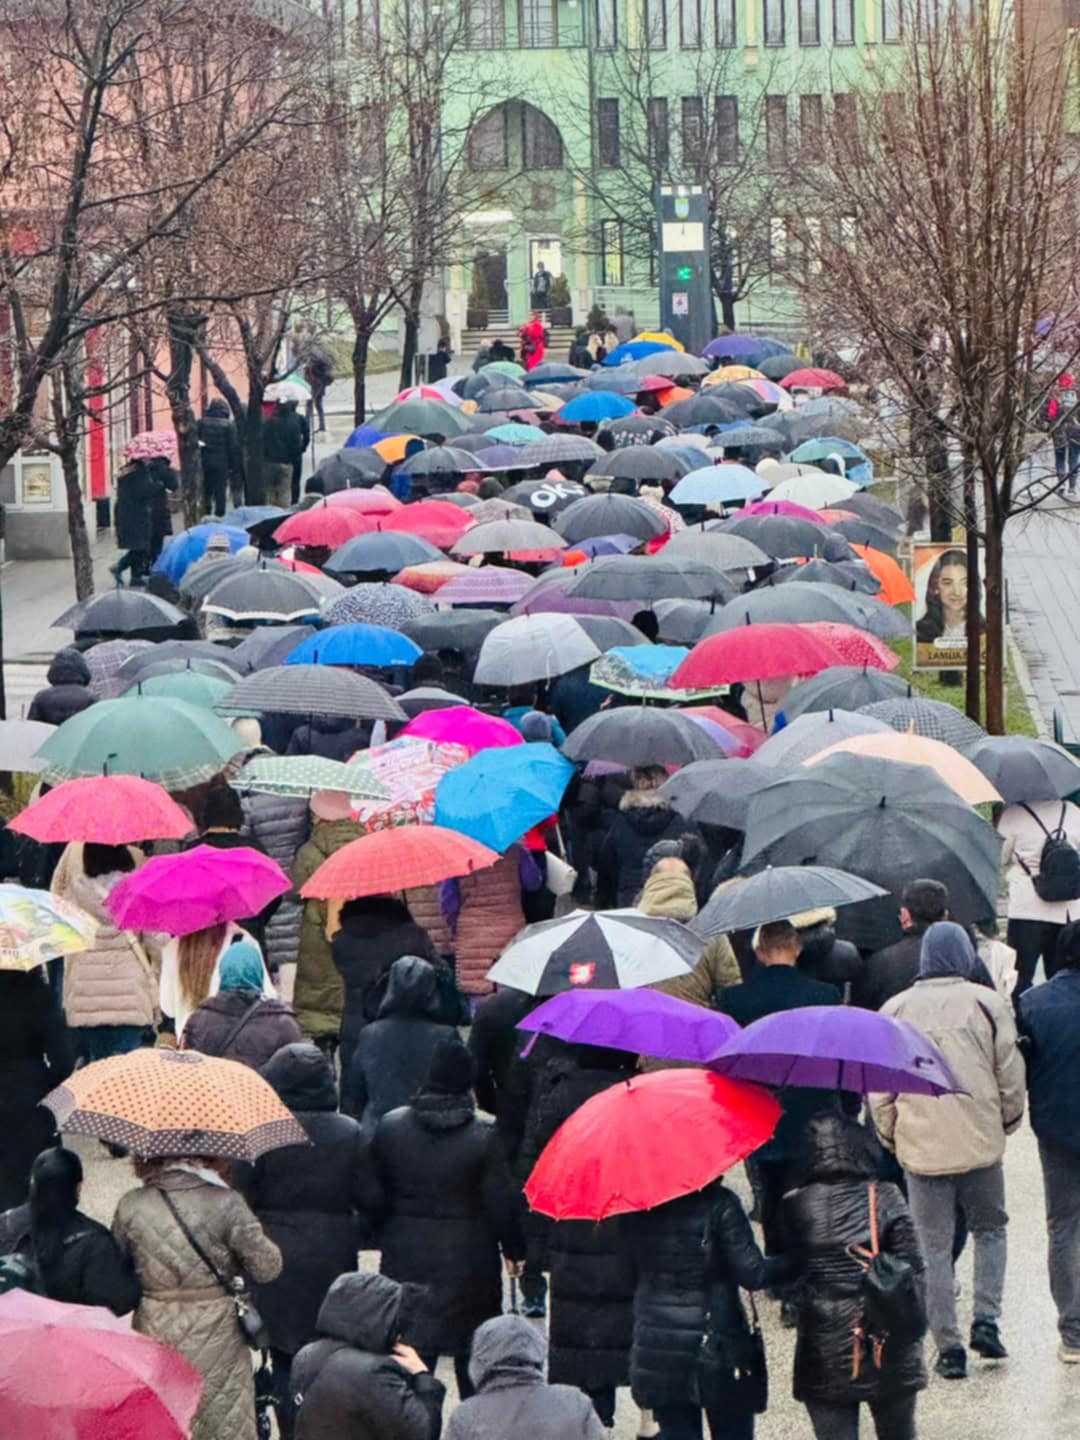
pixel 669 893
pixel 952 1146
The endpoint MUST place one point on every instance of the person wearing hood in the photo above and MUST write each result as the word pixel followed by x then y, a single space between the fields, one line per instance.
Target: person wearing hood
pixel 392 1054
pixel 138 487
pixel 68 1256
pixel 510 1395
pixel 222 464
pixel 319 992
pixel 643 819
pixel 837 1369
pixel 489 913
pixel 894 968
pixel 312 1201
pixel 283 435
pixel 824 957
pixel 239 1022
pixel 359 1380
pixel 952 1146
pixel 449 1206
pixel 68 691
pixel 279 825
pixel 35 1057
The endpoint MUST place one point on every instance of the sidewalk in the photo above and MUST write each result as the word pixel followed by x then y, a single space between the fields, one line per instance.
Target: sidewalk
pixel 1043 574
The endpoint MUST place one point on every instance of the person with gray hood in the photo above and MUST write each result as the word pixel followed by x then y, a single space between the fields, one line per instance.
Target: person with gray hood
pixel 952 1146
pixel 68 690
pixel 507 1369
pixel 359 1381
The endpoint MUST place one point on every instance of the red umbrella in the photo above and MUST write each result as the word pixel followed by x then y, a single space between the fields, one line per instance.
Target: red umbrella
pixel 106 810
pixel 858 647
pixel 298 567
pixel 813 378
pixel 436 521
pixel 376 501
pixel 323 527
pixel 400 858
pixel 649 1140
pixel 754 652
pixel 69 1372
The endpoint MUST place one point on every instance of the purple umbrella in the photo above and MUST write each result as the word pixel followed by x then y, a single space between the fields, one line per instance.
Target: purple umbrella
pixel 497 457
pixel 488 585
pixel 609 545
pixel 644 1022
pixel 837 1047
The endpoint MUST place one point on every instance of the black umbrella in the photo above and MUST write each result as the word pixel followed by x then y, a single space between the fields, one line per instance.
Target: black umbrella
pixel 607 631
pixel 121 612
pixel 703 409
pixel 869 507
pixel 638 462
pixel 682 621
pixel 1025 770
pixel 841 574
pixel 310 690
pixel 751 437
pixel 643 578
pixel 843 687
pixel 439 460
pixel 785 537
pixel 267 592
pixel 742 398
pixel 464 630
pixel 182 651
pixel 505 397
pixel 545 497
pixel 639 735
pixel 428 697
pixel 717 792
pixel 609 515
pixel 778 367
pixel 779 892
pixel 267 647
pixel 639 429
pixel 203 576
pixel 805 604
pixel 933 718
pixel 351 467
pixel 473 444
pixel 862 532
pixel 381 550
pixel 559 450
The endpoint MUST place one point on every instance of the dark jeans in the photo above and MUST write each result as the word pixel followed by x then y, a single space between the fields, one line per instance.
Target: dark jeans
pixel 215 481
pixel 98 1042
pixel 461 1373
pixel 281 1361
pixel 683 1422
pixel 1067 460
pixel 1061 1183
pixel 603 1401
pixel 894 1419
pixel 137 561
pixel 1032 939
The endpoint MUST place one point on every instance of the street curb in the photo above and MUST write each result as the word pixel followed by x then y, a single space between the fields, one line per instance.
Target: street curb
pixel 1027 685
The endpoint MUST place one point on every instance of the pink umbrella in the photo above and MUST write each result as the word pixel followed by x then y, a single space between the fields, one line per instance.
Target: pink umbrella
pixel 748 736
pixel 376 501
pixel 204 886
pixel 782 507
pixel 489 585
pixel 462 725
pixel 858 647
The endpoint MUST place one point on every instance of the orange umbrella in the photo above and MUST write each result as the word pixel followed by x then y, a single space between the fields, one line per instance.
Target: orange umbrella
pixel 677 392
pixel 430 576
pixel 394 447
pixel 948 764
pixel 896 588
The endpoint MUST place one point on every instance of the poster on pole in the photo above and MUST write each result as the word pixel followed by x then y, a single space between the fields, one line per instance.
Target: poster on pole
pixel 939 614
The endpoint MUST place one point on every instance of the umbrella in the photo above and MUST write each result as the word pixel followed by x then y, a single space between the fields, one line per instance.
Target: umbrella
pixel 927 717
pixel 73 1371
pixel 376 501
pixel 36 926
pixel 638 462
pixel 896 588
pixel 431 576
pixel 396 448
pixel 754 652
pixel 363 436
pixel 639 735
pixel 717 792
pixel 490 585
pixel 552 372
pixel 838 1047
pixel 670 363
pixel 744 349
pixel 513 432
pixel 181 552
pixel 179 653
pixel 547 595
pixel 325 586
pixel 506 536
pixel 639 429
pixel 462 725
pixel 607 631
pixel 862 532
pixel 717 485
pixel 750 437
pixel 532 647
pixel 843 687
pixel 301 689
pixel 409 771
pixel 224 669
pixel 499 398
pixel 439 460
pixel 373 645
pixel 187 685
pixel 267 647
pixel 850 575
pixel 560 450
pixel 784 538
pixel 298 775
pixel 814 378
pixel 1025 770
pixel 182 893
pixel 858 468
pixel 875 510
pixel 779 892
pixel 494 457
pixel 207 574
pixel 883 820
pixel 176 744
pixel 650 1140
pixel 601 950
pixel 499 794
pixel 175 1102
pixel 421 417
pixel 948 764
pixel 749 737
pixel 814 491
pixel 121 612
pixel 641 671
pixel 400 858
pixel 427 697
pixel 642 578
pixel 452 630
pixel 638 1021
pixel 631 350
pixel 375 604
pixel 435 520
pixel 721 550
pixel 20 741
pixel 269 592
pixel 609 515
pixel 593 407
pixel 381 551
pixel 504 367
pixel 808 735
pixel 323 526
pixel 775 367
pixel 855 645
pixel 812 604
pixel 350 467
pixel 105 661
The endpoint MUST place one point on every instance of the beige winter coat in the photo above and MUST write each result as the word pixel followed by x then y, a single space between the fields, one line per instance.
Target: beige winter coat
pixel 671 895
pixel 182 1305
pixel 952 1134
pixel 113 983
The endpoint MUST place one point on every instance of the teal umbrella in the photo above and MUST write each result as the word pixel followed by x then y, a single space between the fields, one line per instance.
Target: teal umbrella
pixel 169 741
pixel 305 774
pixel 513 432
pixel 188 685
pixel 420 417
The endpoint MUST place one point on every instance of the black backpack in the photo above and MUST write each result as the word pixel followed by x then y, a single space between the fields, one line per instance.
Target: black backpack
pixel 1059 863
pixel 893 1301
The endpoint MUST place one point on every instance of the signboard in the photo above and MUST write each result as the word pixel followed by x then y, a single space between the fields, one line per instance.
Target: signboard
pixel 939 615
pixel 685 279
pixel 680 303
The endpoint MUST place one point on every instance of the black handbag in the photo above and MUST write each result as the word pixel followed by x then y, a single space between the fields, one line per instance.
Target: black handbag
pixel 893 1302
pixel 733 1377
pixel 251 1323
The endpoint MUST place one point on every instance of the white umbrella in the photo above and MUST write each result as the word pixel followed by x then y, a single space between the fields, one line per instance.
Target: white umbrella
pixel 286 390
pixel 601 950
pixel 816 492
pixel 533 647
pixel 19 744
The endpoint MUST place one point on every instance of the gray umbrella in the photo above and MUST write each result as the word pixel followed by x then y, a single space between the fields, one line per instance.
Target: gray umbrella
pixel 105 662
pixel 933 718
pixel 672 363
pixel 532 647
pixel 647 577
pixel 121 612
pixel 863 532
pixel 355 466
pixel 452 629
pixel 717 792
pixel 560 450
pixel 267 647
pixel 500 536
pixel 808 735
pixel 310 690
pixel 869 507
pixel 439 460
pixel 710 547
pixel 615 379
pixel 637 462
pixel 205 574
pixel 505 397
pixel 609 515
pixel 1024 769
pixel 606 631
pixel 427 697
pixel 843 687
pixel 779 892
pixel 786 537
pixel 268 592
pixel 884 820
pixel 754 437
pixel 639 735
pixel 385 550
pixel 802 604
pixel 840 574
pixel 682 621
pixel 196 665
pixel 181 651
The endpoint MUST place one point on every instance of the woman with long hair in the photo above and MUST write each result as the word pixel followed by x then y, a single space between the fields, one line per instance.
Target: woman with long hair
pixel 191 971
pixel 945 616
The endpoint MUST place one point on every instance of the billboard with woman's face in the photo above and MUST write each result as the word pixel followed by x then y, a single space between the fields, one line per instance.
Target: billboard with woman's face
pixel 940 577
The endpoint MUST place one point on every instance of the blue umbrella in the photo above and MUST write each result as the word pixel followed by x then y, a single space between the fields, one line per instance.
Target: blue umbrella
pixel 355 645
pixel 598 405
pixel 634 350
pixel 383 550
pixel 363 437
pixel 190 545
pixel 513 432
pixel 857 466
pixel 744 349
pixel 608 545
pixel 715 484
pixel 499 794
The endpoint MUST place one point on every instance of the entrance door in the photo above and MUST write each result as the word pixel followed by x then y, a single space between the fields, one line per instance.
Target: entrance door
pixel 546 249
pixel 489 280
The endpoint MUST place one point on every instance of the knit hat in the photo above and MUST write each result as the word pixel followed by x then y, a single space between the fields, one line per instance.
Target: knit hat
pixel 535 725
pixel 947 950
pixel 452 1070
pixel 242 967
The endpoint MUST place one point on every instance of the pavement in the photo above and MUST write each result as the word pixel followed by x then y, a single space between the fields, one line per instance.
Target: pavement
pixel 1043 573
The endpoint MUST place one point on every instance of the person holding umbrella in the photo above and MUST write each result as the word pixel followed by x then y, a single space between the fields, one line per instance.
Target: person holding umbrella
pixel 895 968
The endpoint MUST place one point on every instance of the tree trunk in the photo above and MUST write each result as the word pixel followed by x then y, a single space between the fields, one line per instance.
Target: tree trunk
pixel 359 371
pixel 995 623
pixel 251 439
pixel 410 334
pixel 78 534
pixel 184 330
pixel 973 619
pixel 727 309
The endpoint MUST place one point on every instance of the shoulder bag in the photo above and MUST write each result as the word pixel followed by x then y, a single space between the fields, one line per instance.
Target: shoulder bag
pixel 733 1376
pixel 248 1318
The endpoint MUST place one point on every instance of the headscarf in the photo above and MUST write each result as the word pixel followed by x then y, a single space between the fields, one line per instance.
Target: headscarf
pixel 242 967
pixel 947 951
pixel 55 1177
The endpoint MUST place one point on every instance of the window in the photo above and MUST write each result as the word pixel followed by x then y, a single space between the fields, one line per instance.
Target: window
pixel 611 252
pixel 774 22
pixel 607 23
pixel 693 132
pixel 538 26
pixel 370 153
pixel 541 143
pixel 607 133
pixel 727 129
pixel 809 23
pixel 811 127
pixel 778 234
pixel 690 24
pixel 844 113
pixel 367 24
pixel 657 132
pixel 489 141
pixel 654 23
pixel 776 127
pixel 485 24
pixel 891 24
pixel 843 22
pixel 725 23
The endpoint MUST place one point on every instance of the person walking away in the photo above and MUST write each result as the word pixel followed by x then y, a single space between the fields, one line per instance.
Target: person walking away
pixel 278 825
pixel 67 1256
pixel 359 1380
pixel 951 1146
pixel 166 482
pixel 541 287
pixel 822 955
pixel 643 818
pixel 35 1057
pixel 669 893
pixel 68 691
pixel 282 447
pixel 240 1023
pixel 221 459
pixel 894 968
pixel 1063 421
pixel 222 828
pixel 623 324
pixel 1039 906
pixel 510 1396
pixel 184 1211
pixel 318 370
pixel 448 1207
pixel 533 337
pixel 312 1201
pixel 319 992
pixel 1050 1026
pixel 837 1369
pixel 298 460
pixel 439 361
pixel 136 488
pixel 489 914
pixel 191 972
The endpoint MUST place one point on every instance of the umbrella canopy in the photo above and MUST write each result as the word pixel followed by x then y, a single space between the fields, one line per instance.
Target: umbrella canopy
pixel 36 926
pixel 400 858
pixel 874 510
pixel 896 587
pixel 639 735
pixel 490 585
pixel 499 794
pixel 439 460
pixel 814 491
pixel 121 612
pixel 838 1047
pixel 181 552
pixel 948 764
pixel 775 367
pixel 778 893
pixel 376 501
pixel 595 406
pixel 637 462
pixel 560 450
pixel 642 578
pixel 305 775
pixel 409 770
pixel 363 436
pixel 301 689
pixel 641 671
pixel 853 644
pixel 546 497
pixel 717 792
pixel 532 647
pixel 552 372
pixel 323 526
pixel 20 741
pixel 640 1022
pixel 104 661
pixel 179 654
pixel 182 893
pixel 883 820
pixel 373 645
pixel 933 718
pixel 814 378
pixel 462 725
pixel 858 468
pixel 103 809
pixel 427 697
pixel 185 684
pixel 862 532
pixel 1025 770
pixel 843 687
pixel 783 537
pixel 808 735
pixel 207 574
pixel 351 467
pixel 452 630
pixel 850 575
pixel 506 536
pixel 754 652
pixel 265 593
pixel 599 950
pixel 267 647
pixel 718 549
pixel 750 437
pixel 176 744
pixel 631 350
pixel 609 515
pixel 809 604
pixel 670 363
pixel 375 604
pixel 607 631
pixel 421 417
pixel 225 669
pixel 175 1102
pixel 502 399
pixel 381 550
pixel 73 1371
pixel 436 521
pixel 717 485
pixel 745 349
pixel 647 1141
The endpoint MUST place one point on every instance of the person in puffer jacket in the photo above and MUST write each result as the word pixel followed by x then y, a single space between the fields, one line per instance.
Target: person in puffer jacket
pixel 489 917
pixel 280 824
pixel 68 691
pixel 644 818
pixel 319 994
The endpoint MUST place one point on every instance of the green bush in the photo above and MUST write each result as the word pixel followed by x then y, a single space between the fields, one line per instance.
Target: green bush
pixel 597 319
pixel 559 294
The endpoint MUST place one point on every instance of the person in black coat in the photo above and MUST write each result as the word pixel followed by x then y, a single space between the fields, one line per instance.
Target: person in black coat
pixel 823 956
pixel 826 1214
pixel 448 1207
pixel 894 968
pixel 312 1201
pixel 72 1258
pixel 35 1057
pixel 375 931
pixel 68 690
pixel 166 480
pixel 495 1041
pixel 221 461
pixel 331 736
pixel 136 487
pixel 643 819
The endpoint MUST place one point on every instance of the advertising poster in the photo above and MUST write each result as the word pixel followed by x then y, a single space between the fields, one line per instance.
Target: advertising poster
pixel 939 614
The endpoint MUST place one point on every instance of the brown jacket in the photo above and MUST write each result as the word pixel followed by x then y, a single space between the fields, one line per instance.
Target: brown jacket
pixel 114 982
pixel 319 993
pixel 490 917
pixel 182 1305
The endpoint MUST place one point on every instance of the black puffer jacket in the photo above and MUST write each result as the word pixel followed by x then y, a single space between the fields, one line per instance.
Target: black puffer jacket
pixel 240 1025
pixel 311 1199
pixel 35 1057
pixel 280 825
pixel 68 691
pixel 495 1040
pixel 449 1205
pixel 374 933
pixel 87 1268
pixel 331 736
pixel 643 819
pixel 825 1215
pixel 826 958
pixel 219 441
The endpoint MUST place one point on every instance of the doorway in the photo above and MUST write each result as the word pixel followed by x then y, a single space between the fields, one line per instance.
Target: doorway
pixel 489 282
pixel 546 249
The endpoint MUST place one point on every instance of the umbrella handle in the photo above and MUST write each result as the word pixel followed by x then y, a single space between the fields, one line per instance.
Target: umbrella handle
pixel 513 1295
